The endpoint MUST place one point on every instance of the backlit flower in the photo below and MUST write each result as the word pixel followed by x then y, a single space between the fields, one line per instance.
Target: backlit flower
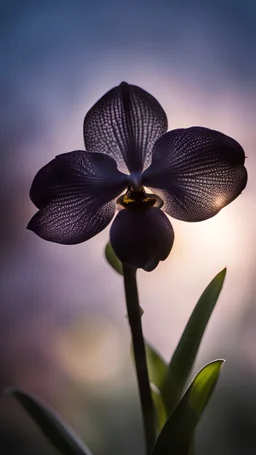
pixel 193 173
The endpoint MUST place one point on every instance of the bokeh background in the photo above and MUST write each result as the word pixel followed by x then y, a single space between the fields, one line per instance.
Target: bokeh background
pixel 63 330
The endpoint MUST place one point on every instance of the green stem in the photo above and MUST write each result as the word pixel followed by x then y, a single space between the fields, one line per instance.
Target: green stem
pixel 134 316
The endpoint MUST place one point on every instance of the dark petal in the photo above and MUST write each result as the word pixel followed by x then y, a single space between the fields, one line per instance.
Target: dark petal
pixel 141 239
pixel 68 222
pixel 125 124
pixel 75 193
pixel 197 172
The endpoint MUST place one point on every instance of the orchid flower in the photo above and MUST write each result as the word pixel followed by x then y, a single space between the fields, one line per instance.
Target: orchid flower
pixel 193 173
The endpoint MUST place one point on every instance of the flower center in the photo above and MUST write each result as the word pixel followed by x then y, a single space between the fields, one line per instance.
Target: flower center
pixel 139 200
pixel 134 180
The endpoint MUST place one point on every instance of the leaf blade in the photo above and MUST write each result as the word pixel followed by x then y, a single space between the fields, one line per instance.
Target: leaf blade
pixel 58 432
pixel 177 434
pixel 157 366
pixel 184 356
pixel 157 369
pixel 112 259
pixel 159 406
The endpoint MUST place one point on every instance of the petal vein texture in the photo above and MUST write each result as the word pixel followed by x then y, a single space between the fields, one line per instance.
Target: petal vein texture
pixel 125 123
pixel 75 195
pixel 197 172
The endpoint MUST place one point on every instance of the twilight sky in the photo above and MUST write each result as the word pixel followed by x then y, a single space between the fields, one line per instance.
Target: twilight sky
pixel 57 58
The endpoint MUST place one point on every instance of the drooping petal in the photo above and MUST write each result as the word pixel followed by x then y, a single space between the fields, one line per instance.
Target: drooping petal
pixel 125 124
pixel 197 172
pixel 75 193
pixel 142 238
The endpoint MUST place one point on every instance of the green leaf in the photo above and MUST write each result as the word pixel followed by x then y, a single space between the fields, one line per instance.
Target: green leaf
pixel 52 425
pixel 184 356
pixel 157 366
pixel 157 369
pixel 159 406
pixel 113 259
pixel 177 434
pixel 192 450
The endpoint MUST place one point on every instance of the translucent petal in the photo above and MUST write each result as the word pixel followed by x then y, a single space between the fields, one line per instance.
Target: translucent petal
pixel 142 238
pixel 75 193
pixel 197 172
pixel 125 124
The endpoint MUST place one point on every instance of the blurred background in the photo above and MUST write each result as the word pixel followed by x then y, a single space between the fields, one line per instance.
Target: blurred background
pixel 63 330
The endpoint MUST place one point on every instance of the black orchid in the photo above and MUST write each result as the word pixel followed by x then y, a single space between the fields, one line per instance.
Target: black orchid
pixel 195 172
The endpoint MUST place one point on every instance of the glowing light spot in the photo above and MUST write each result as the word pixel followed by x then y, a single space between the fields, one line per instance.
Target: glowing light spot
pixel 90 351
pixel 219 202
